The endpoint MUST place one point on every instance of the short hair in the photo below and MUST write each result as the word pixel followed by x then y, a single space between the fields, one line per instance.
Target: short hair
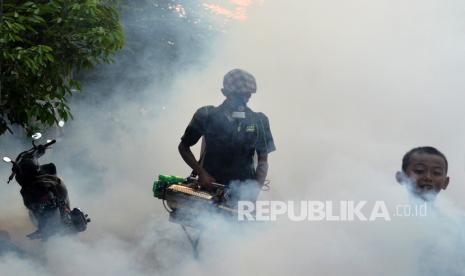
pixel 425 149
pixel 239 81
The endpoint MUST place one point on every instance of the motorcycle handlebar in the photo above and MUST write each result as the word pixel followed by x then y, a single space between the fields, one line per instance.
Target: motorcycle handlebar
pixel 50 143
pixel 40 149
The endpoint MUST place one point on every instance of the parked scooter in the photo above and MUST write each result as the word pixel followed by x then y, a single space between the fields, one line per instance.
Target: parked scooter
pixel 44 194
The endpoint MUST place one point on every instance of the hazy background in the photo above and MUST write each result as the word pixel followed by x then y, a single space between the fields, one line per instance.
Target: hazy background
pixel 348 86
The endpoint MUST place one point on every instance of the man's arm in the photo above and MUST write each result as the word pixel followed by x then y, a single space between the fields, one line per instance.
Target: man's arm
pixel 205 179
pixel 194 131
pixel 262 169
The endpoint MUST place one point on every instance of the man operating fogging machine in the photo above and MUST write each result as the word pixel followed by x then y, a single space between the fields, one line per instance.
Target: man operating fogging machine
pixel 233 134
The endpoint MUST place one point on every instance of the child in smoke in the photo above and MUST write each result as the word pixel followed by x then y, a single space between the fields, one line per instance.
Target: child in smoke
pixel 424 171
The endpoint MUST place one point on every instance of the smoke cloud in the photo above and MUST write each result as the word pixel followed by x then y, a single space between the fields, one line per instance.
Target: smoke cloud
pixel 348 86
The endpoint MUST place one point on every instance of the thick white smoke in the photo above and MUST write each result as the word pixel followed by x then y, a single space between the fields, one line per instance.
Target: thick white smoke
pixel 348 86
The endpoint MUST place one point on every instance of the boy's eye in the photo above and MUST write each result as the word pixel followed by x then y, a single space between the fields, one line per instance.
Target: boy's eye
pixel 418 171
pixel 437 173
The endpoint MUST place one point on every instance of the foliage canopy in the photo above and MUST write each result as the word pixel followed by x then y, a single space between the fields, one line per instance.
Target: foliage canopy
pixel 44 45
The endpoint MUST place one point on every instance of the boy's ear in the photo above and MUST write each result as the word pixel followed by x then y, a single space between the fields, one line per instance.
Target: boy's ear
pixel 446 183
pixel 401 177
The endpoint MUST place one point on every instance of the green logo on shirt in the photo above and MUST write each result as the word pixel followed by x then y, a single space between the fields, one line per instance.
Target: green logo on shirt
pixel 250 128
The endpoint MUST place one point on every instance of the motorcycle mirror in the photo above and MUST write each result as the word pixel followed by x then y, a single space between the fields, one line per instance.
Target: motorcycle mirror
pixel 36 136
pixel 7 159
pixel 48 141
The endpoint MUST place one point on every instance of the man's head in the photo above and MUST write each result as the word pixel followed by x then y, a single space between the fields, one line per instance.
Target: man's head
pixel 425 168
pixel 239 85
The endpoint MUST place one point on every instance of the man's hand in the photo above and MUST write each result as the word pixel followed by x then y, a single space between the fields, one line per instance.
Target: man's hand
pixel 205 180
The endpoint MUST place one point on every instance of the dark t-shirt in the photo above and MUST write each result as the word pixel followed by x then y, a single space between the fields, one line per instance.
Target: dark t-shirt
pixel 230 142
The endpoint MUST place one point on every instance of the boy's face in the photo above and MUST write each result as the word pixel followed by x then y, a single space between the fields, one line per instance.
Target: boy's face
pixel 428 172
